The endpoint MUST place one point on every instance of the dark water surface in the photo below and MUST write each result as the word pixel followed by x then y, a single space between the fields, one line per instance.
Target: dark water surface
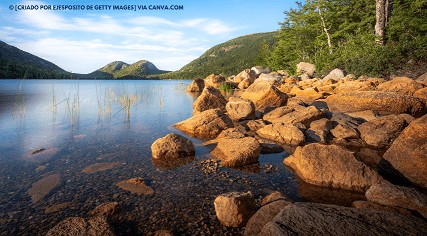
pixel 79 123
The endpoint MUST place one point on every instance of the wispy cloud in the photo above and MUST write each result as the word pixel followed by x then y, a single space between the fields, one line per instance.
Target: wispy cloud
pixel 86 42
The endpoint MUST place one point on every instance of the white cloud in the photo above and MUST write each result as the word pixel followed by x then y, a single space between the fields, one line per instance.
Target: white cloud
pixel 86 42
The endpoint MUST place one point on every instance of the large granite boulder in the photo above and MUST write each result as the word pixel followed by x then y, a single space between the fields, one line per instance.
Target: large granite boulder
pixel 172 146
pixel 392 103
pixel 306 68
pixel 302 115
pixel 422 79
pixel 234 209
pixel 321 219
pixel 265 95
pixel 401 85
pixel 408 153
pixel 398 196
pixel 351 86
pixel 206 124
pixel 263 216
pixel 421 93
pixel 246 74
pixel 282 133
pixel 197 85
pixel 258 70
pixel 335 74
pixel 214 80
pixel 211 98
pixel 234 152
pixel 240 109
pixel 96 226
pixel 332 166
pixel 382 131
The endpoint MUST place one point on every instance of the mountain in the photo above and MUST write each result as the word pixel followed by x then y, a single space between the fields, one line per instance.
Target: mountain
pixel 120 70
pixel 226 58
pixel 18 64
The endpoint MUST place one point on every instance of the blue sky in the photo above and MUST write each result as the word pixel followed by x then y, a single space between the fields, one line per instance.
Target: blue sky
pixel 83 41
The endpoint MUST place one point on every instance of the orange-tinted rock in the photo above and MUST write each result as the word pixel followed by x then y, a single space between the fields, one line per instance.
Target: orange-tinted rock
pixel 234 152
pixel 234 209
pixel 332 166
pixel 377 101
pixel 408 153
pixel 265 95
pixel 211 98
pixel 400 85
pixel 197 85
pixel 136 186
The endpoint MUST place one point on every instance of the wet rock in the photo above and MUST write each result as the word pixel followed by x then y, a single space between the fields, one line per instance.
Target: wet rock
pixel 172 146
pixel 371 206
pixel 335 74
pixel 264 95
pixel 136 186
pixel 306 68
pixel 382 131
pixel 211 98
pixel 106 210
pixel 214 80
pixel 237 152
pixel 234 209
pixel 274 196
pixel 197 85
pixel 206 124
pixel 400 85
pixel 42 188
pixel 321 219
pixel 377 101
pixel 58 207
pixel 282 133
pixel 408 153
pixel 240 109
pixel 100 167
pixel 263 216
pixel 79 226
pixel 398 196
pixel 38 151
pixel 42 154
pixel 332 166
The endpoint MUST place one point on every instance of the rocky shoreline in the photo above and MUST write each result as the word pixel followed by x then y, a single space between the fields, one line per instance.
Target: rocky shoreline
pixel 357 150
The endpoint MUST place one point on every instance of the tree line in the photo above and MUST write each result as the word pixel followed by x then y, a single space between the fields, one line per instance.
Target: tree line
pixel 360 36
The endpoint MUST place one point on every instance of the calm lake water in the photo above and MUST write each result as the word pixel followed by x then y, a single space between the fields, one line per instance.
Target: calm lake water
pixel 80 123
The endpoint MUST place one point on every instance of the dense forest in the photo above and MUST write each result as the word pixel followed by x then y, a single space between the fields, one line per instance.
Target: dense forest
pixel 369 37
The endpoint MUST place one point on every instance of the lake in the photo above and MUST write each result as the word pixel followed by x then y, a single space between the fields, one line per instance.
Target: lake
pixel 59 128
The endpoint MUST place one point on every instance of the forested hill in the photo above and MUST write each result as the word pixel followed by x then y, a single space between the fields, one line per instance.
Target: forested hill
pixel 376 38
pixel 18 64
pixel 226 58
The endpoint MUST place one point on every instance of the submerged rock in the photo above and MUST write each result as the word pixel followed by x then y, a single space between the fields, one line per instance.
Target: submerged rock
pixel 100 167
pixel 106 210
pixel 136 186
pixel 42 188
pixel 97 226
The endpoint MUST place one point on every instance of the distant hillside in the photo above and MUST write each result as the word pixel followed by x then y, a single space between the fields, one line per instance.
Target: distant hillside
pixel 120 70
pixel 18 64
pixel 226 58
